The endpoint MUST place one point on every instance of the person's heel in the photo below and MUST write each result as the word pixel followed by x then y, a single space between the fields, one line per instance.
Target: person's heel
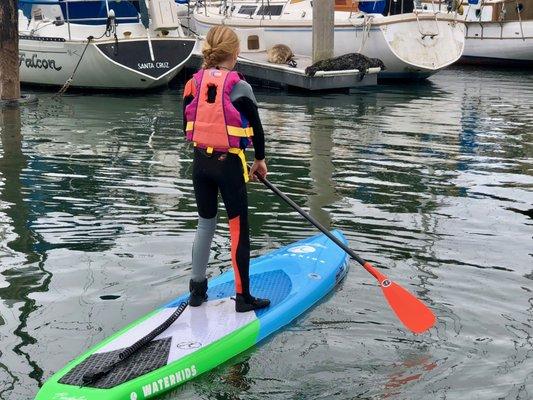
pixel 248 303
pixel 198 292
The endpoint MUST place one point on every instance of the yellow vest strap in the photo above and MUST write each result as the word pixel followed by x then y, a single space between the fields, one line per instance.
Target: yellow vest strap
pixel 242 156
pixel 240 132
pixel 208 150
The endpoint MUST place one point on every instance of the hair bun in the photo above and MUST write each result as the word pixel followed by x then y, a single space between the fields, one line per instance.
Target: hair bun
pixel 221 44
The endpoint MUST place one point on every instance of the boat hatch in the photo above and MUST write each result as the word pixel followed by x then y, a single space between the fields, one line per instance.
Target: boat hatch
pixel 270 10
pixel 247 10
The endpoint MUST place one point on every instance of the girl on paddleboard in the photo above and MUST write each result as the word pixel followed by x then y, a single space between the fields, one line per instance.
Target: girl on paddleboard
pixel 220 118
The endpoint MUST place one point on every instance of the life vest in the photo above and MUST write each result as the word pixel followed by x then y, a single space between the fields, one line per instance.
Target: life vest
pixel 213 123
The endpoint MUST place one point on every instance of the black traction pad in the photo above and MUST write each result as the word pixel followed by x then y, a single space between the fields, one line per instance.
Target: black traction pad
pixel 152 357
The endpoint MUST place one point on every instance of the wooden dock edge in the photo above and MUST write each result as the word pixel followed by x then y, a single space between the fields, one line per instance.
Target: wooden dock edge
pixel 285 76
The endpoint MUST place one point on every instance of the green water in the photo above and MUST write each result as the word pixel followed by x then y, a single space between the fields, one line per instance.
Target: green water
pixel 433 182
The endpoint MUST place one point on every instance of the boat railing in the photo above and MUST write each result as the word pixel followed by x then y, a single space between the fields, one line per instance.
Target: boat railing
pixel 427 33
pixel 227 8
pixel 501 17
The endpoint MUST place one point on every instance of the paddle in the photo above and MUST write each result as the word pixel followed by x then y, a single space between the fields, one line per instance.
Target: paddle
pixel 414 314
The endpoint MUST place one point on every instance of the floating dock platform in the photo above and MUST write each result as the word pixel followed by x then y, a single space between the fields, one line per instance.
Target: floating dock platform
pixel 255 67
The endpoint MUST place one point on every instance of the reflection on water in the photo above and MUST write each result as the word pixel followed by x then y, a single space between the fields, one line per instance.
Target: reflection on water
pixel 433 182
pixel 23 261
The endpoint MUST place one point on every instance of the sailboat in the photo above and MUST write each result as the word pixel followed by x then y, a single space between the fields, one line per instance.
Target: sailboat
pixel 101 44
pixel 416 44
pixel 498 32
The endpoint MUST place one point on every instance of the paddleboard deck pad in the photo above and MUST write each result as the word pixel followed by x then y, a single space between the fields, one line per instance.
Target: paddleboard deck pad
pixel 294 278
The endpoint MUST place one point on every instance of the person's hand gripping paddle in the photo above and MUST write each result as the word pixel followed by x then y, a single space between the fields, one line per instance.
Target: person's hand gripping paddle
pixel 414 314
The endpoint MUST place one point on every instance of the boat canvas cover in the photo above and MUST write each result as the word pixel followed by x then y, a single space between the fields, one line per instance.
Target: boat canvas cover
pixel 88 12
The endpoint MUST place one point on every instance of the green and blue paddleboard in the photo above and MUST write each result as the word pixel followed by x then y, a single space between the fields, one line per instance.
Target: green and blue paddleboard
pixel 294 278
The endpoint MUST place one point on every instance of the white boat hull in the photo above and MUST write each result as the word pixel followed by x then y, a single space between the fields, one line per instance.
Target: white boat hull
pixel 47 61
pixel 499 43
pixel 408 47
pixel 494 37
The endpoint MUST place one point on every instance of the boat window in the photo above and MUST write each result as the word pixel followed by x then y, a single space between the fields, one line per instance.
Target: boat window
pixel 247 10
pixel 270 10
pixel 253 42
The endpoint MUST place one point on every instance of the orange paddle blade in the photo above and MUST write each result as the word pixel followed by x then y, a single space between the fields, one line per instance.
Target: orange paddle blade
pixel 414 314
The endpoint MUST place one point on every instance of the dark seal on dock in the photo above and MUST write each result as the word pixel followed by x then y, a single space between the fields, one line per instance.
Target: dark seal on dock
pixel 345 62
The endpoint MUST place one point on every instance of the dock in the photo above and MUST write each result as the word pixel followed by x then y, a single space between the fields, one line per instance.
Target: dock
pixel 255 67
pixel 254 63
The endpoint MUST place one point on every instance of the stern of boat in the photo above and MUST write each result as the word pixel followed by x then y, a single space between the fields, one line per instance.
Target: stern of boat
pixel 424 42
pixel 150 63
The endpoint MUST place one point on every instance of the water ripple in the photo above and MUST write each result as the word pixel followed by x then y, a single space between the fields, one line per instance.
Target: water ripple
pixel 431 182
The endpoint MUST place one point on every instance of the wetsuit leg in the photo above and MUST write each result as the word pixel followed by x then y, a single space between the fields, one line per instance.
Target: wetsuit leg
pixel 233 191
pixel 206 193
pixel 201 247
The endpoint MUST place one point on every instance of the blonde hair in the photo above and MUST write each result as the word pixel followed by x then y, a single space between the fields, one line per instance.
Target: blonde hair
pixel 220 44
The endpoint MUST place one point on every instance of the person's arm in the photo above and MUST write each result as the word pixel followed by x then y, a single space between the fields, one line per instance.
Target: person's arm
pixel 242 97
pixel 248 109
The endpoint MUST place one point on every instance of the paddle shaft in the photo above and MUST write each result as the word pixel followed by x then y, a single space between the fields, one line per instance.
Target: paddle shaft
pixel 326 232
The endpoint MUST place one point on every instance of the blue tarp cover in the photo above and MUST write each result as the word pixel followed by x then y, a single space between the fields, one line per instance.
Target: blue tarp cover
pixel 81 9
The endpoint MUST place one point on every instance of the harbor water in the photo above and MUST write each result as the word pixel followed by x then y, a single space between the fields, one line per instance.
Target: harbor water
pixel 433 182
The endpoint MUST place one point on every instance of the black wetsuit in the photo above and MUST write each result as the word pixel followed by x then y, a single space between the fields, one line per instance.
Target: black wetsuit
pixel 224 172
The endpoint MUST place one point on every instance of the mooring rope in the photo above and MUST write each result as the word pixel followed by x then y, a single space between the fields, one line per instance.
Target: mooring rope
pixel 110 29
pixel 70 79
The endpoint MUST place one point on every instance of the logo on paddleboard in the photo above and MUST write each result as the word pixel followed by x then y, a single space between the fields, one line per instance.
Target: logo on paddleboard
pixel 341 272
pixel 66 396
pixel 305 249
pixel 189 345
pixel 166 382
pixel 133 396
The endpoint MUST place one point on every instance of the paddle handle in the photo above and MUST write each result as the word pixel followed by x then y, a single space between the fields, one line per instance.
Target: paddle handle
pixel 321 227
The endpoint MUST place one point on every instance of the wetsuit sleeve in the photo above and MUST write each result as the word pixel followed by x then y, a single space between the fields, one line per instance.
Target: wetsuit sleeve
pixel 243 89
pixel 243 98
pixel 248 109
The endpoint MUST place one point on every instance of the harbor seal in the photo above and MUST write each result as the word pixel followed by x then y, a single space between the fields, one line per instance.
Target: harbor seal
pixel 344 62
pixel 281 54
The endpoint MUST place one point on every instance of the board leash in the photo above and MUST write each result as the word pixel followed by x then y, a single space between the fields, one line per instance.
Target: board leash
pixel 93 377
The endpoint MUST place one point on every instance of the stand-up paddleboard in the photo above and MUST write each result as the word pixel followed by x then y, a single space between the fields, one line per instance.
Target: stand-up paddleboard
pixel 294 278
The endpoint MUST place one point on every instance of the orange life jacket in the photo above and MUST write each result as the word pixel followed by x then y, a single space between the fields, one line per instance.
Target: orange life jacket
pixel 212 120
pixel 213 123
